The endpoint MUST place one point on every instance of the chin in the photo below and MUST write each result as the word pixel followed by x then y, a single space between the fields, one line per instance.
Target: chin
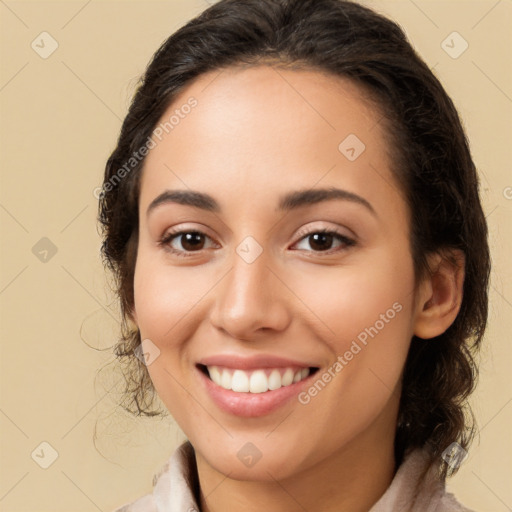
pixel 264 461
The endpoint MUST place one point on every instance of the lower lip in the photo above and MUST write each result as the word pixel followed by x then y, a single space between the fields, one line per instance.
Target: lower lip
pixel 251 405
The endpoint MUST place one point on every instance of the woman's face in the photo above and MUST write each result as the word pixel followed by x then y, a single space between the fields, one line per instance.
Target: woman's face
pixel 265 159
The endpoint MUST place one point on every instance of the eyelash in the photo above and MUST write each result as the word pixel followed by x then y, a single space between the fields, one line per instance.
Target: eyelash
pixel 168 237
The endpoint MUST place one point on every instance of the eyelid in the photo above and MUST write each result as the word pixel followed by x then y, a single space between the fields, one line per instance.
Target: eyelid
pixel 302 233
pixel 169 235
pixel 347 241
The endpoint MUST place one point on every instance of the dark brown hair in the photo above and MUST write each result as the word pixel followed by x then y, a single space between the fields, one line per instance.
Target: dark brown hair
pixel 431 157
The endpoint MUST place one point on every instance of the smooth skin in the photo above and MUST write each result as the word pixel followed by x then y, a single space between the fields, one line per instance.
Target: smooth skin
pixel 255 135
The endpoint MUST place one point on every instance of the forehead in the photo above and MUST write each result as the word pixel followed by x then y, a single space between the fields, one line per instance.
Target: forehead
pixel 263 128
pixel 268 99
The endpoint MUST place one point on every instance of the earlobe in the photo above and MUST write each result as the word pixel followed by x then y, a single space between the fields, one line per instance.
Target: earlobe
pixel 440 294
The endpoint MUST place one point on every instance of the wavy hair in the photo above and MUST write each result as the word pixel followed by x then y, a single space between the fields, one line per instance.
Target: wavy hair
pixel 432 163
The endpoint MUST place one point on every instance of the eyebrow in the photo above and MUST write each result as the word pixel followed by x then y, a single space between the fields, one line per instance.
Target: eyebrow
pixel 289 201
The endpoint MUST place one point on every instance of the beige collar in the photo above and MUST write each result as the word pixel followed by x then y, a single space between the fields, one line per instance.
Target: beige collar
pixel 415 487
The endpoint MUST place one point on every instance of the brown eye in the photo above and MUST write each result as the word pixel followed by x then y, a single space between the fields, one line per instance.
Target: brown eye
pixel 191 241
pixel 183 242
pixel 322 240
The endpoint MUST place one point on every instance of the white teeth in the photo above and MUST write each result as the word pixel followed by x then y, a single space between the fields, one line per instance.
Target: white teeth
pixel 274 380
pixel 215 374
pixel 225 380
pixel 287 378
pixel 239 381
pixel 256 381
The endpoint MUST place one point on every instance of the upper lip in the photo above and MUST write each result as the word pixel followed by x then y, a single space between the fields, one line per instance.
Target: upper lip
pixel 251 363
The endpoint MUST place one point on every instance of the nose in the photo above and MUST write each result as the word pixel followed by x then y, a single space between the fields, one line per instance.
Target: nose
pixel 251 299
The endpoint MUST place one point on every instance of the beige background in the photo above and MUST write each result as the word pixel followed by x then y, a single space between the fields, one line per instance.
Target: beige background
pixel 60 117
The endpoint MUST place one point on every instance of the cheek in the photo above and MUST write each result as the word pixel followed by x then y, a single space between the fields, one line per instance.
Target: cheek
pixel 165 297
pixel 368 337
pixel 347 302
pixel 364 315
pixel 167 302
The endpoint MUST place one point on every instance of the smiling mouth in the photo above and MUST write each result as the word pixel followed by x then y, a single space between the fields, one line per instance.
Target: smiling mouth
pixel 258 380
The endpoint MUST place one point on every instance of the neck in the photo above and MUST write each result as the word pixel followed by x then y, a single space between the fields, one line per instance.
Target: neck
pixel 351 479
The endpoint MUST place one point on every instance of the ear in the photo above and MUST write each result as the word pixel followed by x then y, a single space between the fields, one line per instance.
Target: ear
pixel 440 294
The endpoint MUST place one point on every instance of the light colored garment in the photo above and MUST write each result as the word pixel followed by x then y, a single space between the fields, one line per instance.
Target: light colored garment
pixel 414 488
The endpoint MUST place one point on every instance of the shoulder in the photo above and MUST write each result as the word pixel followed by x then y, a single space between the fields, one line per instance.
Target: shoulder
pixel 416 487
pixel 431 493
pixel 143 504
pixel 448 503
pixel 173 485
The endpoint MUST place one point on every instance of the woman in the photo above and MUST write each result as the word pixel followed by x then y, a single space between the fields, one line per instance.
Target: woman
pixel 293 219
